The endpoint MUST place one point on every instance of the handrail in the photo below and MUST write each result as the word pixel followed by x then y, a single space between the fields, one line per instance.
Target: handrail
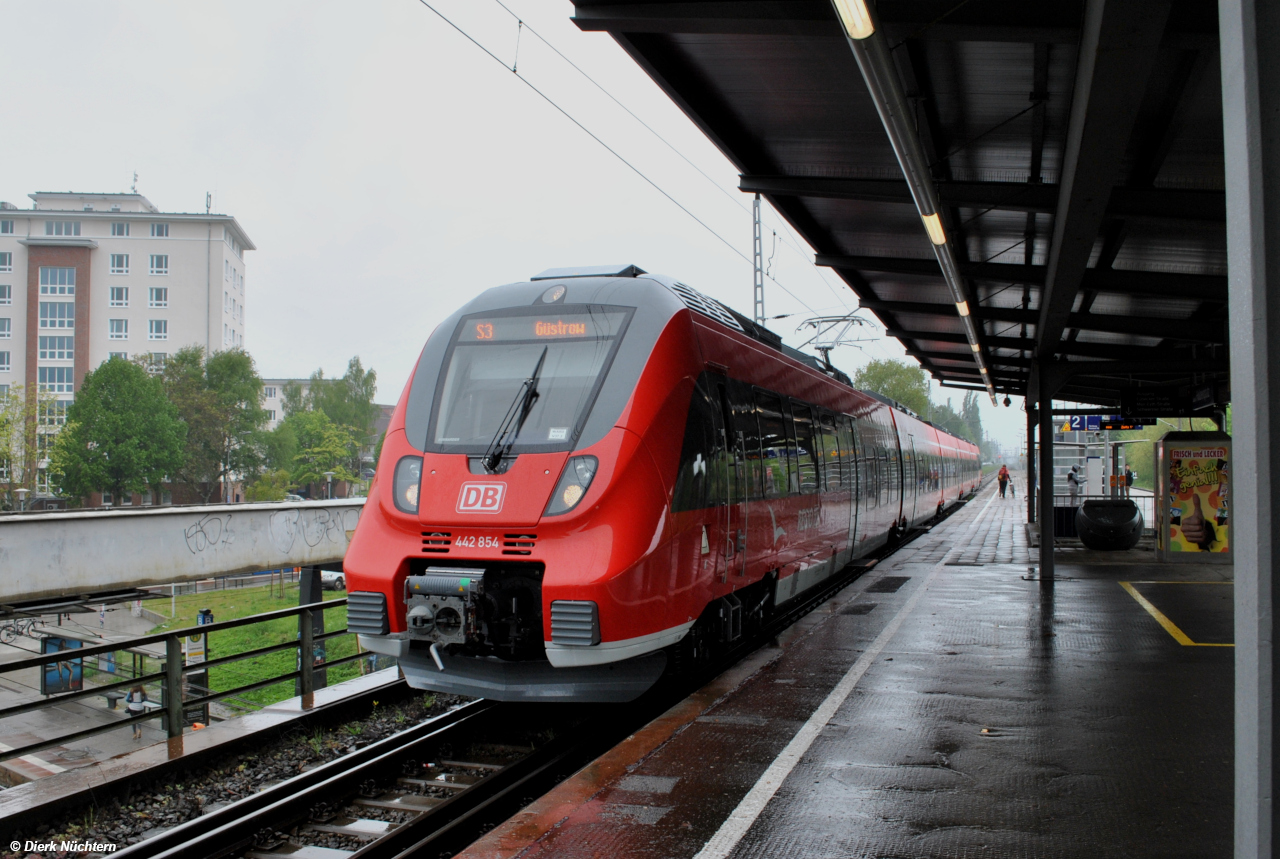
pixel 172 676
pixel 43 659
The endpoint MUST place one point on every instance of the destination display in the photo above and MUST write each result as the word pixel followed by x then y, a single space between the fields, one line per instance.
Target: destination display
pixel 568 326
pixel 1098 423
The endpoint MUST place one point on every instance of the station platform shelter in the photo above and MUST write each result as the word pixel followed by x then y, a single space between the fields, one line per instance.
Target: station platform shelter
pixel 949 703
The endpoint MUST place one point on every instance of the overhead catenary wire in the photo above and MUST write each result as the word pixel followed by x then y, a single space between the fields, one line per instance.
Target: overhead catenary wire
pixel 736 199
pixel 607 147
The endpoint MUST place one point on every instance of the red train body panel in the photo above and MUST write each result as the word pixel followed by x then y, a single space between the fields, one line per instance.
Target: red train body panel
pixel 605 469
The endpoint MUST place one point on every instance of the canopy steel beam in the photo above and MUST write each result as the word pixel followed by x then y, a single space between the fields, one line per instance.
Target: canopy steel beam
pixel 1084 350
pixel 993 22
pixel 1206 287
pixel 1209 331
pixel 1158 203
pixel 1117 52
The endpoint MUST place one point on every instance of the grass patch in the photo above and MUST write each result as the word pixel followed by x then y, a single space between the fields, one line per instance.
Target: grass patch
pixel 243 602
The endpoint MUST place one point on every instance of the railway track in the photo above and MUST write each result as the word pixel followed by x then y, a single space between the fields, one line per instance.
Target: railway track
pixel 433 789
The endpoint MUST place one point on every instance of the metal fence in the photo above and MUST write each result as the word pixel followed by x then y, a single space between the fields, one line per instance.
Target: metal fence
pixel 1146 505
pixel 171 678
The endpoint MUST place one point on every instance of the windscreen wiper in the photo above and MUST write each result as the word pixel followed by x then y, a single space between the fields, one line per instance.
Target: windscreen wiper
pixel 517 414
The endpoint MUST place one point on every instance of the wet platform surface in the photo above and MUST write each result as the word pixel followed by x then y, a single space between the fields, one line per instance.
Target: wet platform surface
pixel 947 704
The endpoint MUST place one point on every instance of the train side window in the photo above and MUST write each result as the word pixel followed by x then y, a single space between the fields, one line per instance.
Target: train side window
pixel 744 422
pixel 850 460
pixel 774 445
pixel 832 455
pixel 701 467
pixel 806 476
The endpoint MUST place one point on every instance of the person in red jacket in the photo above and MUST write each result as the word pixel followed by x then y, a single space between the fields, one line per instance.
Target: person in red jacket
pixel 1003 477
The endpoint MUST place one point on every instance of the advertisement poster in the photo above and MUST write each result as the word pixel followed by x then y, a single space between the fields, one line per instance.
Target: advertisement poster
pixel 1199 487
pixel 64 675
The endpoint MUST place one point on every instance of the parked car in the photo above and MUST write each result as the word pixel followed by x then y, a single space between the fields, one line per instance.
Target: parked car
pixel 291 497
pixel 332 580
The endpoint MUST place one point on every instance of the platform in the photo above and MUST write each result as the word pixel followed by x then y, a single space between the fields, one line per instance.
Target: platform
pixel 947 704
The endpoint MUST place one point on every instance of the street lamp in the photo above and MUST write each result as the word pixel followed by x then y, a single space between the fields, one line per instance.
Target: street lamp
pixel 329 475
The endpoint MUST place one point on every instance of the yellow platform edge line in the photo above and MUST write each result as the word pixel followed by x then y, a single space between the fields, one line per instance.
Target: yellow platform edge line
pixel 1169 626
pixel 1174 582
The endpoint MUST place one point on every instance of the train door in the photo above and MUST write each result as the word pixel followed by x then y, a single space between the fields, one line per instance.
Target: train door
pixel 736 486
pixel 912 480
pixel 850 474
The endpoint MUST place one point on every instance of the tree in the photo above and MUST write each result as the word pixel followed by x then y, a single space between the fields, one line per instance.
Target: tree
pixel 944 417
pixel 26 419
pixel 322 446
pixel 220 401
pixel 348 402
pixel 273 485
pixel 122 433
pixel 896 380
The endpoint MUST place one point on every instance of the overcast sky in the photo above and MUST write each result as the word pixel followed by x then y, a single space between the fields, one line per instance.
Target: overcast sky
pixel 386 168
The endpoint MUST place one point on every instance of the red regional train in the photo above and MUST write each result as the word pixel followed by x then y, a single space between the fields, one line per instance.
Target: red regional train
pixel 601 475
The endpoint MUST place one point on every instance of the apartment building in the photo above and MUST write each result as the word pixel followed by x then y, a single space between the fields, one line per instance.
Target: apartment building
pixel 84 277
pixel 273 398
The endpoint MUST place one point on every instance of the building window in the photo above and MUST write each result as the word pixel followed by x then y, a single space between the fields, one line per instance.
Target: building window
pixel 160 231
pixel 119 296
pixel 62 228
pixel 226 269
pixel 158 329
pixel 57 280
pixel 6 228
pixel 57 314
pixel 123 356
pixel 57 348
pixel 120 228
pixel 59 380
pixel 5 363
pixel 269 393
pixel 6 293
pixel 6 328
pixel 159 263
pixel 271 414
pixel 119 263
pixel 155 361
pixel 6 261
pixel 159 296
pixel 106 498
pixel 117 329
pixel 55 414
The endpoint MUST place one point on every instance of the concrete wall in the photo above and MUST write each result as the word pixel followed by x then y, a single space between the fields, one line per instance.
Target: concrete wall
pixel 54 554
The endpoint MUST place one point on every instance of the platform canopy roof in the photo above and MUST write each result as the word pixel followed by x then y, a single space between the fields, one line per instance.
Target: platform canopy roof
pixel 1075 147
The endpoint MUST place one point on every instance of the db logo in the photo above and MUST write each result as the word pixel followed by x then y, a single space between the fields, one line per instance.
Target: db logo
pixel 481 497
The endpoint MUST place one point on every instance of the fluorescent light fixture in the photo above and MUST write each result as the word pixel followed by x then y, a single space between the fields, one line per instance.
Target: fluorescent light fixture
pixel 856 18
pixel 984 370
pixel 933 224
pixel 962 307
pixel 974 347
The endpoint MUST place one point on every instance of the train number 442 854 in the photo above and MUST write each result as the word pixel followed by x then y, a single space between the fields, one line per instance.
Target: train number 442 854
pixel 471 541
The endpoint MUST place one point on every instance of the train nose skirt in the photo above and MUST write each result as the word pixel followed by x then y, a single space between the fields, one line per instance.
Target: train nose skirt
pixel 533 680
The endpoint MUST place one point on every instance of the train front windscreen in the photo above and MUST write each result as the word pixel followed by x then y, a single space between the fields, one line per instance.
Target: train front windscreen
pixel 567 353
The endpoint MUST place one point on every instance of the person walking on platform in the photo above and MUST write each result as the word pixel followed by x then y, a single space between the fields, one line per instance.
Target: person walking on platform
pixel 1073 484
pixel 1003 478
pixel 136 703
pixel 1128 481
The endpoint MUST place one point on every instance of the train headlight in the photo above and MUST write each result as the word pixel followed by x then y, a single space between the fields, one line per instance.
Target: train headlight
pixel 578 473
pixel 408 479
